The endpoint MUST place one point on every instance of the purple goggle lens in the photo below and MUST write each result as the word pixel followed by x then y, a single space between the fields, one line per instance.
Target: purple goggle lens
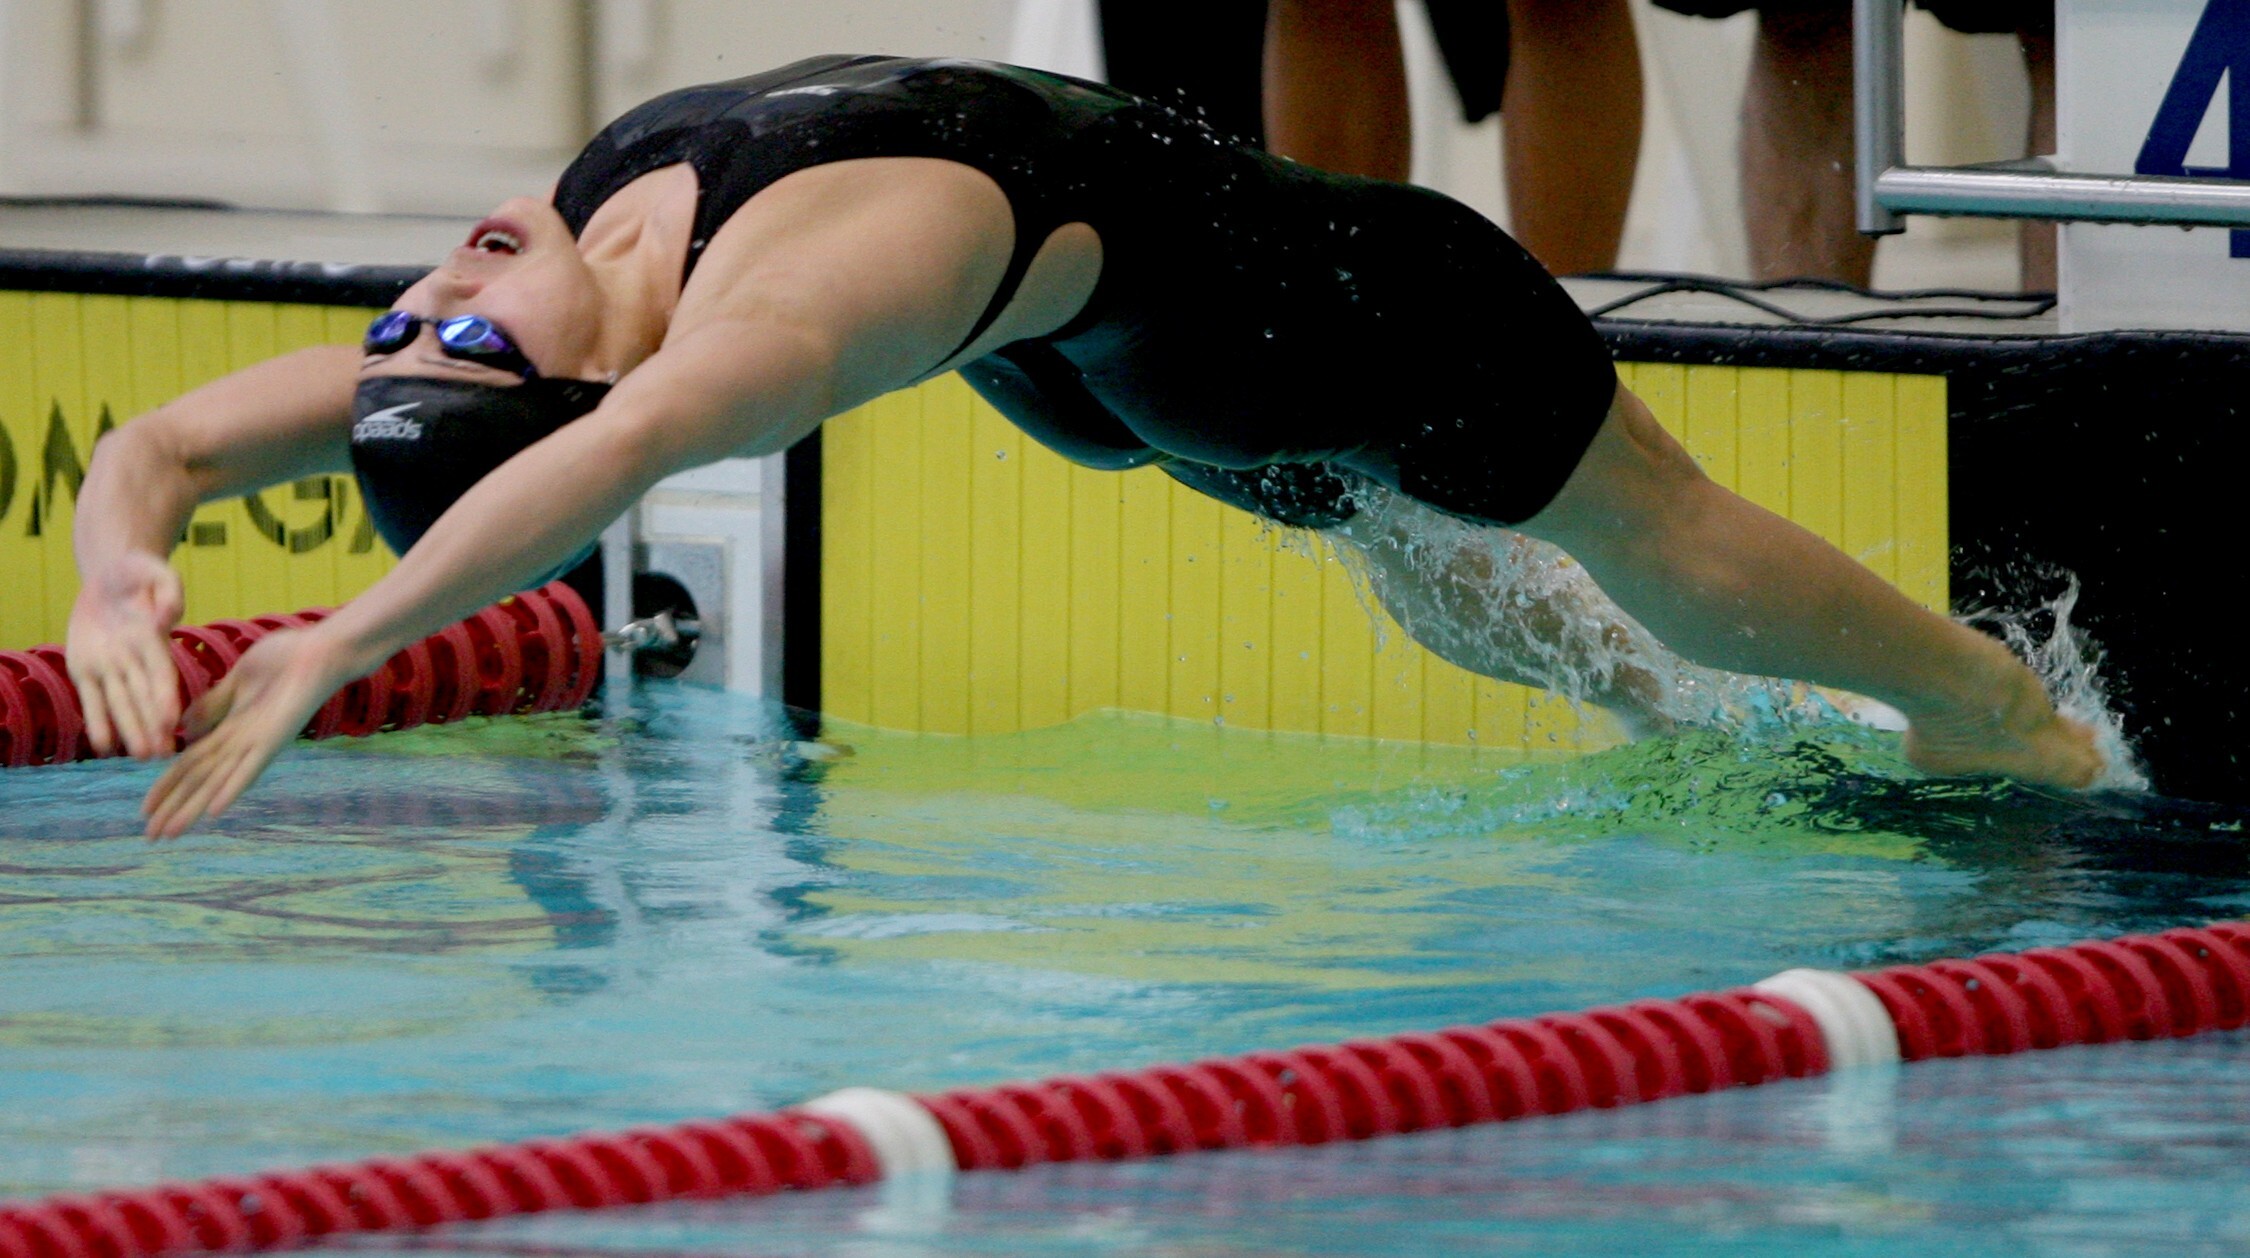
pixel 470 338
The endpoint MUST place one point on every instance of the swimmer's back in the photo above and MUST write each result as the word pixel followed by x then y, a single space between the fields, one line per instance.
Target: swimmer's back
pixel 1250 311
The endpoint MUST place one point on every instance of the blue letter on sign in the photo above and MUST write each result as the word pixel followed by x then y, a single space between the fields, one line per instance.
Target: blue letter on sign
pixel 2220 46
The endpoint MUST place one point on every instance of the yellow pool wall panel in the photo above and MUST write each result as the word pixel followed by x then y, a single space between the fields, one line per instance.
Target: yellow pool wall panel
pixel 75 366
pixel 973 582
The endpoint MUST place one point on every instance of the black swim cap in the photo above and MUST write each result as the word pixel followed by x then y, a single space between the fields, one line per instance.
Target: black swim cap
pixel 418 443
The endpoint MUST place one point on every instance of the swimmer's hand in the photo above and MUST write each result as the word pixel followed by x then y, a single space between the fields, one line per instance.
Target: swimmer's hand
pixel 235 731
pixel 120 656
pixel 2013 731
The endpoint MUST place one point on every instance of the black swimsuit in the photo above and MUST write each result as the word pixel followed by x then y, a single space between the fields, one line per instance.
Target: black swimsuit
pixel 1266 332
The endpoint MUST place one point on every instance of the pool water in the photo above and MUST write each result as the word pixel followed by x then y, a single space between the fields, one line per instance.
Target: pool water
pixel 519 928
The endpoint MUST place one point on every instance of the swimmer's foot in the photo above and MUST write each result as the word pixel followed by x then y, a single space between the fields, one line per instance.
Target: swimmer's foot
pixel 1861 710
pixel 2016 733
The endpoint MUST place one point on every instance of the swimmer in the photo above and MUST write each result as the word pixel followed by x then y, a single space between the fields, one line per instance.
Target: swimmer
pixel 726 266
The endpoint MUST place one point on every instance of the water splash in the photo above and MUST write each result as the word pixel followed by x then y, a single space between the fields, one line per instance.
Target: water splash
pixel 1843 789
pixel 2068 664
pixel 1504 605
pixel 1774 785
pixel 1509 606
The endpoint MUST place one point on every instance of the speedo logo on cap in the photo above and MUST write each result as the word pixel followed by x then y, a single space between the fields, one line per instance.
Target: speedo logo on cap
pixel 388 424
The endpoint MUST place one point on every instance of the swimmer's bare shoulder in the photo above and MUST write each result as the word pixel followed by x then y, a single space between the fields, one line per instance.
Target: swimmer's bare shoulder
pixel 888 261
pixel 886 264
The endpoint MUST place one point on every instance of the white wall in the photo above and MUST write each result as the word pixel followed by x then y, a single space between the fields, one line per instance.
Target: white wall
pixel 2138 277
pixel 451 105
pixel 694 41
pixel 436 105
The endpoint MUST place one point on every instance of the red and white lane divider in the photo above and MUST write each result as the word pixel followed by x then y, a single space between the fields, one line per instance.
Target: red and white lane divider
pixel 1799 1023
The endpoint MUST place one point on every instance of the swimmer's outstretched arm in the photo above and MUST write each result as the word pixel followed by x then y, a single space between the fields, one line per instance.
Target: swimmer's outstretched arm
pixel 1731 585
pixel 531 514
pixel 279 420
pixel 841 290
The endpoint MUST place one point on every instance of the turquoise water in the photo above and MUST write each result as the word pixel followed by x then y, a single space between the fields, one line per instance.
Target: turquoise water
pixel 527 928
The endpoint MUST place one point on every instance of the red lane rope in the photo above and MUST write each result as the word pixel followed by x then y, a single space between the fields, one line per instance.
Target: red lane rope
pixel 1552 1064
pixel 282 1209
pixel 1365 1088
pixel 540 651
pixel 2141 987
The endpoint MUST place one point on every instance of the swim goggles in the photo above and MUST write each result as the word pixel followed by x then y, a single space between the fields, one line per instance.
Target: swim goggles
pixel 470 338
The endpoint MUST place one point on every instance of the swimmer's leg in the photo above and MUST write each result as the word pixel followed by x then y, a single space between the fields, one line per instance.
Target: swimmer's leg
pixel 1505 606
pixel 1731 585
pixel 1494 602
pixel 1335 86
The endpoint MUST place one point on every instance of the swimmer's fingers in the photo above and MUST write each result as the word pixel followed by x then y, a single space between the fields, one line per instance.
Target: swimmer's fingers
pixel 125 711
pixel 143 691
pixel 237 729
pixel 119 656
pixel 93 708
pixel 157 687
pixel 214 770
pixel 182 786
pixel 208 778
pixel 109 695
pixel 205 714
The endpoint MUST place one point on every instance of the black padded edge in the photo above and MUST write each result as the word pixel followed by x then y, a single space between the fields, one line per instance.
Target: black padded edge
pixel 800 578
pixel 206 278
pixel 1862 349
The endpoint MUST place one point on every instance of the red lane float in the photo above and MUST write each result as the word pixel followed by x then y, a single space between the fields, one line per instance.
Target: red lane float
pixel 540 651
pixel 2181 982
pixel 1552 1064
pixel 2144 987
pixel 281 1210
